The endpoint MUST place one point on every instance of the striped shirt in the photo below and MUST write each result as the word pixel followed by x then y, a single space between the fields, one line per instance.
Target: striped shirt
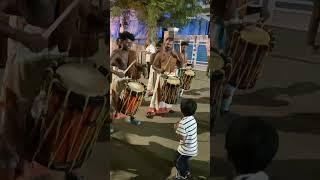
pixel 187 128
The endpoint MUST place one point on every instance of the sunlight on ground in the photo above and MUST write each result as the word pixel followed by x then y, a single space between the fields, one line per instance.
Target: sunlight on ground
pixel 122 175
pixel 132 170
pixel 170 144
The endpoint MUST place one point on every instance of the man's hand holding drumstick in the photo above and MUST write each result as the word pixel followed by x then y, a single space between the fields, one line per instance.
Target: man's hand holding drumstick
pixel 35 42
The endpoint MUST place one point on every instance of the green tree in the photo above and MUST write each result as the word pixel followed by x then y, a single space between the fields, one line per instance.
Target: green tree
pixel 152 12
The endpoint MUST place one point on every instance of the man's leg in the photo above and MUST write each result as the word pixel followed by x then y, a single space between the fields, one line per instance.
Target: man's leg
pixel 150 85
pixel 169 107
pixel 181 92
pixel 219 35
pixel 227 98
pixel 180 75
pixel 154 102
pixel 148 69
pixel 134 121
pixel 152 107
pixel 314 25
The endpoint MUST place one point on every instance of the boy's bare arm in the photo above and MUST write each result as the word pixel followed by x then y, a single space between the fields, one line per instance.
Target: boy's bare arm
pixel 182 138
pixel 176 125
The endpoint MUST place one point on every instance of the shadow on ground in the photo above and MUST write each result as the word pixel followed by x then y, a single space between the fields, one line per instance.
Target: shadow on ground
pixel 268 96
pixel 157 128
pixel 201 100
pixel 308 123
pixel 305 169
pixel 196 92
pixel 146 165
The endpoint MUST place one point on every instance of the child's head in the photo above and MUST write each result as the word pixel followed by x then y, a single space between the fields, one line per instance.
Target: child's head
pixel 188 107
pixel 251 144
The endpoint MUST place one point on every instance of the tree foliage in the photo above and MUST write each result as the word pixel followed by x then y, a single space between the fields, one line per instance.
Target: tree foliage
pixel 152 12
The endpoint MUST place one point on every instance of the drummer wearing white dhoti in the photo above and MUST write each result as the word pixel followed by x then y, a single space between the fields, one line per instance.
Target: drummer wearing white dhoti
pixel 165 63
pixel 124 63
pixel 150 50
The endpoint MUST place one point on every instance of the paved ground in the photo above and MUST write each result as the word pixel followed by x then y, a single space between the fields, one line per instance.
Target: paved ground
pixel 288 96
pixel 147 151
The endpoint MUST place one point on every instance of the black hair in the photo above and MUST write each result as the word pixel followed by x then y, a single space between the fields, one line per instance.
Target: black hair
pixel 184 44
pixel 188 107
pixel 169 39
pixel 126 35
pixel 160 42
pixel 251 144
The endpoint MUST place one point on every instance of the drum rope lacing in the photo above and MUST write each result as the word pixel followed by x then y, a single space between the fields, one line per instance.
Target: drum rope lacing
pixel 247 70
pixel 129 101
pixel 61 114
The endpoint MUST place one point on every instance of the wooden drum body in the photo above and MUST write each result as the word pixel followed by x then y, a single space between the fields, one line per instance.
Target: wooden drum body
pixel 170 90
pixel 187 78
pixel 76 110
pixel 132 97
pixel 248 47
pixel 220 69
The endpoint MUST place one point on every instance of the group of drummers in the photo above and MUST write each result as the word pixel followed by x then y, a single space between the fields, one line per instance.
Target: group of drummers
pixel 168 73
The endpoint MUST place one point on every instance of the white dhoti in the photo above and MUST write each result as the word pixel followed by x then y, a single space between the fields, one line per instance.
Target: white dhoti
pixel 151 81
pixel 117 86
pixel 156 105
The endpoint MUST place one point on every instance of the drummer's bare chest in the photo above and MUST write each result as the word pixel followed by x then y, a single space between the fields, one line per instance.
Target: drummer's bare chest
pixel 167 58
pixel 184 57
pixel 123 60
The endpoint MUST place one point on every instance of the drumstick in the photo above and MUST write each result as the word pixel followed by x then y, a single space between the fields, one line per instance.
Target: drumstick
pixel 58 21
pixel 129 66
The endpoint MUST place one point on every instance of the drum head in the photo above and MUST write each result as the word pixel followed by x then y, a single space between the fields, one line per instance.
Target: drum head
pixel 173 80
pixel 136 87
pixel 83 79
pixel 189 72
pixel 255 35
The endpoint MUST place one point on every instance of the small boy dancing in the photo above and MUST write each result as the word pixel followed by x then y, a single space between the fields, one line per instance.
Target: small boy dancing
pixel 186 129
